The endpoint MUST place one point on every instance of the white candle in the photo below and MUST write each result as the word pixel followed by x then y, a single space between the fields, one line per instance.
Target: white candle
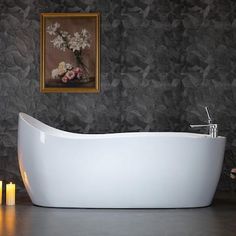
pixel 0 192
pixel 10 194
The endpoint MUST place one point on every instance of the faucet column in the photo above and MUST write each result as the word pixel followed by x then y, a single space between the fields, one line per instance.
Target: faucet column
pixel 213 130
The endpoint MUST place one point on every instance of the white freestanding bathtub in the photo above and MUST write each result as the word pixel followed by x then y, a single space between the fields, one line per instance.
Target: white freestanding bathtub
pixel 123 170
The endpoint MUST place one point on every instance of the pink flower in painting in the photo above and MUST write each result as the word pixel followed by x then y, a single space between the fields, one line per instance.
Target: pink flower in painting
pixel 78 71
pixel 70 74
pixel 64 79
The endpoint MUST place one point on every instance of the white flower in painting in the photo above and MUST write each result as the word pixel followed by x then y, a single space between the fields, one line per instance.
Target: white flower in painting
pixel 69 66
pixel 85 33
pixel 55 73
pixel 79 41
pixel 64 40
pixel 85 44
pixel 86 38
pixel 51 29
pixel 75 42
pixel 64 34
pixel 59 43
pixel 62 68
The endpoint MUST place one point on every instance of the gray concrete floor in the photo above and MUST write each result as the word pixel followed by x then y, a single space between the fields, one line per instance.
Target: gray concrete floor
pixel 27 220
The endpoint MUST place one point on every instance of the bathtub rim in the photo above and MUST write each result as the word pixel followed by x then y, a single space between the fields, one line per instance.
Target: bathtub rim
pixel 42 127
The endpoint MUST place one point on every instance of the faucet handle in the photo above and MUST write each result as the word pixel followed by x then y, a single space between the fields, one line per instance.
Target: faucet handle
pixel 208 116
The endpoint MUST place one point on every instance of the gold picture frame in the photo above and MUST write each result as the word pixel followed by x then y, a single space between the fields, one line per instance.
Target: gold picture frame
pixel 70 52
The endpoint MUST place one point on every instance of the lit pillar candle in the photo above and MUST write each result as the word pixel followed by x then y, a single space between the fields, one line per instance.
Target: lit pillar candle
pixel 10 194
pixel 0 192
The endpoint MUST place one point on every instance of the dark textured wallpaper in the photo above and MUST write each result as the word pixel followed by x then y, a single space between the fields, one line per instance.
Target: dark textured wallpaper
pixel 161 63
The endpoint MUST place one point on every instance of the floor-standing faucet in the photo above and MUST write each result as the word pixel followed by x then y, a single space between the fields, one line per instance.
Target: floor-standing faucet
pixel 212 127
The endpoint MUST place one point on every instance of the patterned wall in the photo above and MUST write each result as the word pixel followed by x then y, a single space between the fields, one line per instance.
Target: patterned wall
pixel 161 63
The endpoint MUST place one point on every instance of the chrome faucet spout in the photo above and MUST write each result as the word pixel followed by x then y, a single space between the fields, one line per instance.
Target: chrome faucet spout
pixel 198 126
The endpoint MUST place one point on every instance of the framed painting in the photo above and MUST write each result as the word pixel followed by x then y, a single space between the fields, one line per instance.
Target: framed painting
pixel 70 52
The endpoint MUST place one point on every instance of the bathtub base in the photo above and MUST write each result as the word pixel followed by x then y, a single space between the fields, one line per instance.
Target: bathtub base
pixel 125 206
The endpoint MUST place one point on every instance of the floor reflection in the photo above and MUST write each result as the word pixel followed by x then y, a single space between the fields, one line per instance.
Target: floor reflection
pixel 9 222
pixel 1 221
pixel 28 220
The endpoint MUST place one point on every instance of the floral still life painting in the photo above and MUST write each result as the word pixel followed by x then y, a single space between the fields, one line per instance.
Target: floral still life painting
pixel 69 52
